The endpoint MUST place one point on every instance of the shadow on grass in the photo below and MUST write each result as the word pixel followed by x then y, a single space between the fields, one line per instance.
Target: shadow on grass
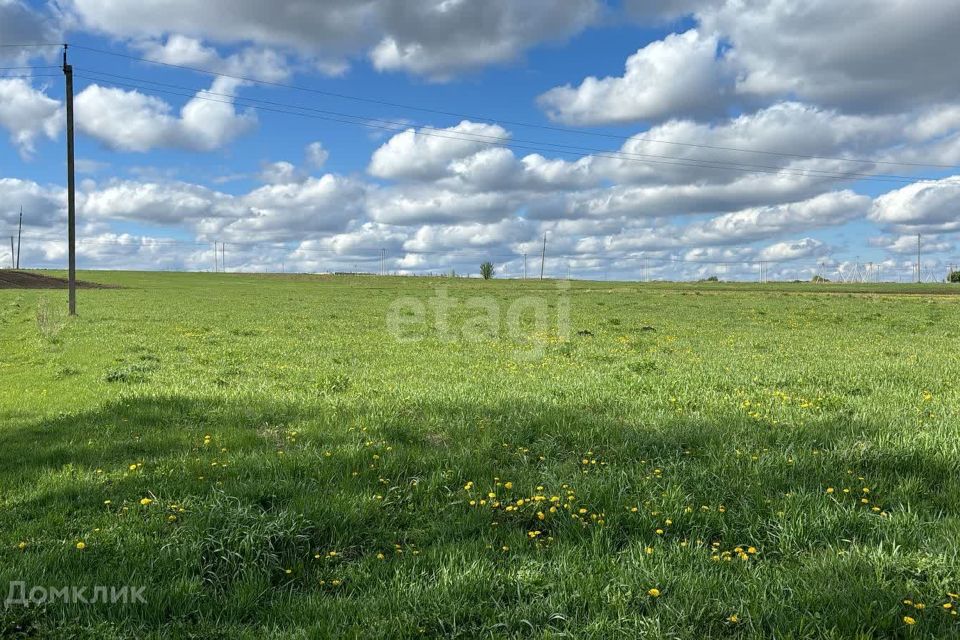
pixel 279 483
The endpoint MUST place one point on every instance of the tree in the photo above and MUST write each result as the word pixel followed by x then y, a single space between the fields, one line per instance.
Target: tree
pixel 486 270
pixel 954 276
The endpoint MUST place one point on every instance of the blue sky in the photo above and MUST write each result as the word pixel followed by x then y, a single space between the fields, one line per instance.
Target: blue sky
pixel 695 83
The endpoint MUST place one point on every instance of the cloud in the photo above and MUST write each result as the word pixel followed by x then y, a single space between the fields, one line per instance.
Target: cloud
pixel 829 55
pixel 253 62
pixel 676 76
pixel 793 250
pixel 756 223
pixel 289 211
pixel 429 204
pixel 28 113
pixel 43 206
pixel 132 121
pixel 166 203
pixel 745 53
pixel 662 10
pixel 281 173
pixel 427 154
pixel 438 38
pixel 316 155
pixel 20 24
pixel 927 206
pixel 435 38
pixel 907 244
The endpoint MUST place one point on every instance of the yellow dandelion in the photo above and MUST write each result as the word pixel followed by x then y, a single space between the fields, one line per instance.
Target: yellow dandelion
pixel 653 592
pixel 81 545
pixel 145 501
pixel 909 620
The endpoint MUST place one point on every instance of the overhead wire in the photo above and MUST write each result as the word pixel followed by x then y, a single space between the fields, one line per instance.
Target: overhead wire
pixel 310 112
pixel 569 130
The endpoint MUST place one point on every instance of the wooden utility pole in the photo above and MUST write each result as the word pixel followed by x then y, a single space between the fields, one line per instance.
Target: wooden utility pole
pixel 19 236
pixel 71 193
pixel 13 260
pixel 543 256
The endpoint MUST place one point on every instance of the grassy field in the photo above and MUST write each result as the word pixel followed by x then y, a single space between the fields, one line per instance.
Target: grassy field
pixel 309 457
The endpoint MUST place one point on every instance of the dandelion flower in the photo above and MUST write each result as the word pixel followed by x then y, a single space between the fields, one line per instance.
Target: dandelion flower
pixel 81 545
pixel 909 620
pixel 145 501
pixel 653 592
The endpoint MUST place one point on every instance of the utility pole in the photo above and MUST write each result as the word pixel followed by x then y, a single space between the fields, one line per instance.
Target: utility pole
pixel 19 235
pixel 543 256
pixel 524 266
pixel 223 256
pixel 918 258
pixel 71 193
pixel 216 263
pixel 13 263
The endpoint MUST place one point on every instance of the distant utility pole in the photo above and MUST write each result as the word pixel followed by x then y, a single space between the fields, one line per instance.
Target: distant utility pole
pixel 918 258
pixel 19 235
pixel 71 193
pixel 524 266
pixel 13 262
pixel 216 264
pixel 543 256
pixel 223 256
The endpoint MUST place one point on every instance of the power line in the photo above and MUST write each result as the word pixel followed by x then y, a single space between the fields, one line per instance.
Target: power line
pixel 399 105
pixel 44 66
pixel 499 141
pixel 27 76
pixel 510 140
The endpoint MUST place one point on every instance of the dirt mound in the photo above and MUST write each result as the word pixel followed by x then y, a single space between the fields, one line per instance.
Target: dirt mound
pixel 10 279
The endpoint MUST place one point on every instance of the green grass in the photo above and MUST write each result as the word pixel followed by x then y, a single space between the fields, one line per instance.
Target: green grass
pixel 728 410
